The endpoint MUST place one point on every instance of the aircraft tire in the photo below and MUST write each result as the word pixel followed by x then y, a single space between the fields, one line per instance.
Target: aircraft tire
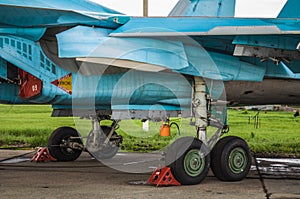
pixel 192 160
pixel 231 159
pixel 106 153
pixel 58 137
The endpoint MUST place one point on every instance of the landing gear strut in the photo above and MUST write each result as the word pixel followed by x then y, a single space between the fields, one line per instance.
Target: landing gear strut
pixel 103 142
pixel 189 157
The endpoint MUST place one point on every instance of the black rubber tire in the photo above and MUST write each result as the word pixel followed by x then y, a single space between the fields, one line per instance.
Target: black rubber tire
pixel 220 159
pixel 107 153
pixel 63 153
pixel 175 159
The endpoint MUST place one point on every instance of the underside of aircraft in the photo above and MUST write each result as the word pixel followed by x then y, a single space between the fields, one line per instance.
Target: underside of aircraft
pixel 89 61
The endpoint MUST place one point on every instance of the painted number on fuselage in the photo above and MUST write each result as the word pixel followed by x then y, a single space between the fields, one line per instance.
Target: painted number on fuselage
pixel 34 88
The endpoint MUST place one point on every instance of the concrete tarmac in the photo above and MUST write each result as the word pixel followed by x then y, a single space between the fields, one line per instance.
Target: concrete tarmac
pixel 88 178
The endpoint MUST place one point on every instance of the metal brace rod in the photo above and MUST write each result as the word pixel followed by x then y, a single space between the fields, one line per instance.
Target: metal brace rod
pixel 113 127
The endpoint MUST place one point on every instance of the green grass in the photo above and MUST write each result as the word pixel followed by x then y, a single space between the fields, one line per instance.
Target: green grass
pixel 278 132
pixel 30 126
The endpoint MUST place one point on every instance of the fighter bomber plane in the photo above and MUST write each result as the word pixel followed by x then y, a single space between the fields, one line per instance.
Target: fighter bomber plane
pixel 87 60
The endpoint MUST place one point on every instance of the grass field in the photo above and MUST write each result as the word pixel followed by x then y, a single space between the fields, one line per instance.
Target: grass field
pixel 30 126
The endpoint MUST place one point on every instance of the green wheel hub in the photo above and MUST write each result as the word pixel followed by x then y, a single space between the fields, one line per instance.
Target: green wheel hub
pixel 194 162
pixel 237 160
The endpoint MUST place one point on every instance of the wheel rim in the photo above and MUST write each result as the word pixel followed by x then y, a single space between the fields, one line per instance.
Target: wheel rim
pixel 238 160
pixel 64 149
pixel 194 162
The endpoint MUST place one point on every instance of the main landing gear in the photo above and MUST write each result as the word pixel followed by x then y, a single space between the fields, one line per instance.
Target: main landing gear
pixel 65 143
pixel 190 158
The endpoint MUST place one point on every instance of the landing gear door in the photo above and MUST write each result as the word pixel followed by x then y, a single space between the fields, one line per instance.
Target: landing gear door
pixel 30 86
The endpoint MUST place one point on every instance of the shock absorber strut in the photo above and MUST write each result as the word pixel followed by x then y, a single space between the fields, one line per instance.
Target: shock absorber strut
pixel 200 108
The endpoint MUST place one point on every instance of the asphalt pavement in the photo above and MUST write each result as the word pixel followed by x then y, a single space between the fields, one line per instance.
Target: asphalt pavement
pixel 126 176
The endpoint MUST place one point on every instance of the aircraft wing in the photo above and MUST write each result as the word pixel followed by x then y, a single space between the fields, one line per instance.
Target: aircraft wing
pixel 252 40
pixel 30 19
pixel 199 46
pixel 206 26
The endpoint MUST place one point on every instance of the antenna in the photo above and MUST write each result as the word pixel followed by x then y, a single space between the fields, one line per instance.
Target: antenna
pixel 145 8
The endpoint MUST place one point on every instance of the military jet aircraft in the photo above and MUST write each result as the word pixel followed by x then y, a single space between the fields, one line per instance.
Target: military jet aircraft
pixel 87 60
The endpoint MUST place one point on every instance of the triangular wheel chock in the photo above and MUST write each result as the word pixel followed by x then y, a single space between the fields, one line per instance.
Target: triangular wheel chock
pixel 42 155
pixel 163 177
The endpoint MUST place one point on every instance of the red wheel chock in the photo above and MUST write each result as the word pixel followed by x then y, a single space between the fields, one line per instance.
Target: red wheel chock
pixel 42 155
pixel 163 177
